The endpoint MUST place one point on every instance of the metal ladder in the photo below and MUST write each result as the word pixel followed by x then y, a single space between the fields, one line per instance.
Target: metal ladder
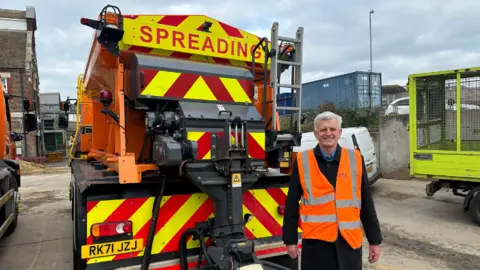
pixel 296 79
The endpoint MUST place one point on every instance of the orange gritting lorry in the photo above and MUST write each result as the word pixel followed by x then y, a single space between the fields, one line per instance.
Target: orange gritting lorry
pixel 9 167
pixel 156 182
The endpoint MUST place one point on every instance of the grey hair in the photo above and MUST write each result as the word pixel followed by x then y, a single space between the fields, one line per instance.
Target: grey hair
pixel 327 116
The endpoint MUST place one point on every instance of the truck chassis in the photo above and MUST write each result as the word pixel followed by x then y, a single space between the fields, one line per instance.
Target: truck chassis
pixel 95 198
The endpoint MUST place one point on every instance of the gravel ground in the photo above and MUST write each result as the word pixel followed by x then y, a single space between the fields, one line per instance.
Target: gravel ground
pixel 419 232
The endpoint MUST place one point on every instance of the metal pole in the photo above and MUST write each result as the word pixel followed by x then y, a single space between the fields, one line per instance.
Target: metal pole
pixel 370 26
pixel 371 66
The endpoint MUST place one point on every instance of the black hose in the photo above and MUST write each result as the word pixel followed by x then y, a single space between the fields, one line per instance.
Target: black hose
pixel 145 140
pixel 153 225
pixel 182 246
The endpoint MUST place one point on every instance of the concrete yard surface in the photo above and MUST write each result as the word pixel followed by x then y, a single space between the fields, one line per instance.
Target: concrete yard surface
pixel 422 232
pixel 419 232
pixel 43 239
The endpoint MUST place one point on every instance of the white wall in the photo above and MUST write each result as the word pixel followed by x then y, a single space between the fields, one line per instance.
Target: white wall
pixel 13 24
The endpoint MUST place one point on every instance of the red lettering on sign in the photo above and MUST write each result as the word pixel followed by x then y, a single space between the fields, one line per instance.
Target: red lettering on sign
pixel 258 53
pixel 161 34
pixel 208 44
pixel 232 51
pixel 242 48
pixel 225 47
pixel 178 37
pixel 193 39
pixel 146 34
pixel 195 42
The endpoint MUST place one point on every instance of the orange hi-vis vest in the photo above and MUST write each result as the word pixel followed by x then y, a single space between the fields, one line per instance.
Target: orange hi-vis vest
pixel 325 210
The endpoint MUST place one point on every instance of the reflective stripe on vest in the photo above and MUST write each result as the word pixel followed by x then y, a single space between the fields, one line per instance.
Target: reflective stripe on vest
pixel 321 215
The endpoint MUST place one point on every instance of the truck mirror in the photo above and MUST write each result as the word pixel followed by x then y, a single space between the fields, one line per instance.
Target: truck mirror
pixel 30 122
pixel 65 106
pixel 63 121
pixel 29 105
pixel 15 136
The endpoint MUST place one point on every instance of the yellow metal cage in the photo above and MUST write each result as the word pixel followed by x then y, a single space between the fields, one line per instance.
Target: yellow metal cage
pixel 444 124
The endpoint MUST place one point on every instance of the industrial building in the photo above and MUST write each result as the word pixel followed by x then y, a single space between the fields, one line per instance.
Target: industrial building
pixel 19 72
pixel 359 89
pixel 55 138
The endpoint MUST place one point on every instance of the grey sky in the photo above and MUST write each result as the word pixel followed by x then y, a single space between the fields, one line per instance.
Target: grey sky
pixel 408 36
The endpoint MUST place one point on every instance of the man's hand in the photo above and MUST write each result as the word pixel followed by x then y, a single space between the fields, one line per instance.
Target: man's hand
pixel 374 253
pixel 293 251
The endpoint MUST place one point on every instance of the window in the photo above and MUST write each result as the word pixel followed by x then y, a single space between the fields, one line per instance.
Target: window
pixel 4 84
pixel 403 102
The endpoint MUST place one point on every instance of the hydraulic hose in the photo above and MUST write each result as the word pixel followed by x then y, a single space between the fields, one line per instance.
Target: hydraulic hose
pixel 182 246
pixel 153 225
pixel 145 140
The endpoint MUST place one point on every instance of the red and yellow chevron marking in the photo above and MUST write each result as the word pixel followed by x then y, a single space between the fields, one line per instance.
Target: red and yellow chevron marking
pixel 181 36
pixel 180 212
pixel 193 86
pixel 255 140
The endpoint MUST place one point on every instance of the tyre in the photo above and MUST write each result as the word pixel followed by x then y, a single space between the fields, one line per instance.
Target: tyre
pixel 474 208
pixel 10 183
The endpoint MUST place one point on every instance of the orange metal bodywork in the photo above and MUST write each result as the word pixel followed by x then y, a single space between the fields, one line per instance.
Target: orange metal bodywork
pixel 113 144
pixel 7 145
pixel 84 113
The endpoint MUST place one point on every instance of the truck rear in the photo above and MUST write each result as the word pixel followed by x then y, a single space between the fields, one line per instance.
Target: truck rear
pixel 445 133
pixel 187 166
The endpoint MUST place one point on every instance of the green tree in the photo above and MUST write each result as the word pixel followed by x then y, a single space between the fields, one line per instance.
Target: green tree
pixel 352 117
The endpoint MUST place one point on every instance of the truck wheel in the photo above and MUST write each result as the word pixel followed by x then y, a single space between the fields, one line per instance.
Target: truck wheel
pixel 474 208
pixel 11 183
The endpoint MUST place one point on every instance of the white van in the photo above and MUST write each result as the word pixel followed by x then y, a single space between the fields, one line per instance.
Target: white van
pixel 355 137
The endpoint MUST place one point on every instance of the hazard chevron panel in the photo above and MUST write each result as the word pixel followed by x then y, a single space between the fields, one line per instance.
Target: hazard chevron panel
pixel 255 141
pixel 180 212
pixel 177 85
pixel 181 36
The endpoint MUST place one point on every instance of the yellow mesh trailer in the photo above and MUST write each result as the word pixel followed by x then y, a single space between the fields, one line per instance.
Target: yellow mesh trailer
pixel 445 132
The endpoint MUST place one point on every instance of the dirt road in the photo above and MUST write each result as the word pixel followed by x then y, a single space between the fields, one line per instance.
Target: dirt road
pixel 420 232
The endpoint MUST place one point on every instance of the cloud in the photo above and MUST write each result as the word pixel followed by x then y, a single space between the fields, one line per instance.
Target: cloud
pixel 409 36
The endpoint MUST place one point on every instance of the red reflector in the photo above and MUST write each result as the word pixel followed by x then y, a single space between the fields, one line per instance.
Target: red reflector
pixel 84 21
pixel 281 209
pixel 111 228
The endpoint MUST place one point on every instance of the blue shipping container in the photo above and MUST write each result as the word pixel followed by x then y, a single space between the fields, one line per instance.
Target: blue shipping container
pixel 284 100
pixel 349 90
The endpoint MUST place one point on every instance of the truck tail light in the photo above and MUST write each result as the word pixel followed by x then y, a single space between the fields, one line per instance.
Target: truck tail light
pixel 111 228
pixel 281 209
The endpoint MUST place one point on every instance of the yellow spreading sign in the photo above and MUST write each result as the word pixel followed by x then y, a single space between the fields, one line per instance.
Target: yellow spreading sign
pixel 158 36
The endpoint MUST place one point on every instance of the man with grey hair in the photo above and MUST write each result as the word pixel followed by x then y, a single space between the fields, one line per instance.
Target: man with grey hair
pixel 332 186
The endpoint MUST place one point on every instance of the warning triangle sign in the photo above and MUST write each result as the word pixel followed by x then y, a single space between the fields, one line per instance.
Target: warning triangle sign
pixel 236 180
